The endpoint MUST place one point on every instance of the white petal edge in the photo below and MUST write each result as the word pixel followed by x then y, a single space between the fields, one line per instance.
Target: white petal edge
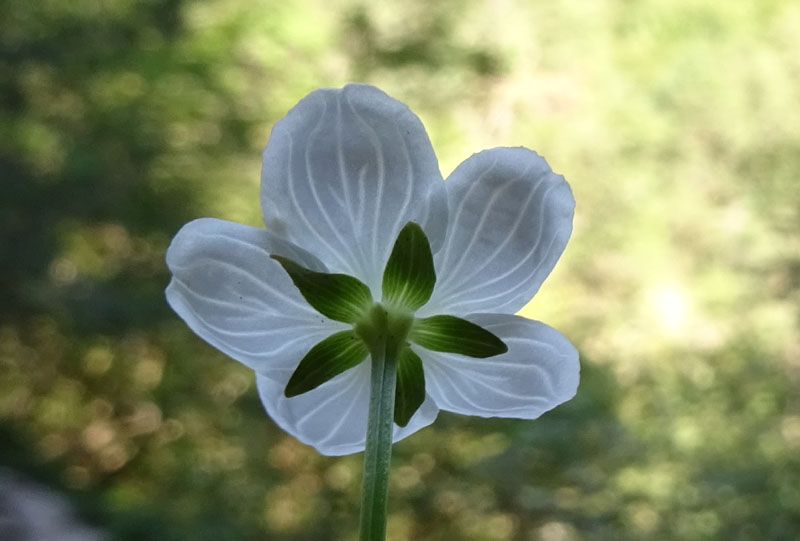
pixel 333 417
pixel 539 372
pixel 510 219
pixel 227 289
pixel 344 171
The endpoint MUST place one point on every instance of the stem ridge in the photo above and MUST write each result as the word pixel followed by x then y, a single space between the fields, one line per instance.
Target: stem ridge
pixel 378 452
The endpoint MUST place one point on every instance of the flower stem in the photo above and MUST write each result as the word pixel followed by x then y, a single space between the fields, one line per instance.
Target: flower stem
pixel 378 453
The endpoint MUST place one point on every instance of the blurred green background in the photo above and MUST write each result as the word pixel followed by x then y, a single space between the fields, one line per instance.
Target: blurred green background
pixel 676 123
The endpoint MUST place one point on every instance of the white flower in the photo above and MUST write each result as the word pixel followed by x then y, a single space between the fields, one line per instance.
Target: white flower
pixel 344 171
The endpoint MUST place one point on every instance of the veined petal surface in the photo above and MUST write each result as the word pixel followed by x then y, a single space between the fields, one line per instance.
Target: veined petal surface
pixel 228 290
pixel 510 219
pixel 539 372
pixel 333 417
pixel 344 171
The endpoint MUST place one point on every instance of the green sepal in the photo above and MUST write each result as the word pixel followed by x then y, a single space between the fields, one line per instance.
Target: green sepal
pixel 409 392
pixel 337 296
pixel 326 359
pixel 409 276
pixel 451 334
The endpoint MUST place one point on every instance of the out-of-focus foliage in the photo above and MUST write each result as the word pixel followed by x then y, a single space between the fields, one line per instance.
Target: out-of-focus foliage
pixel 676 123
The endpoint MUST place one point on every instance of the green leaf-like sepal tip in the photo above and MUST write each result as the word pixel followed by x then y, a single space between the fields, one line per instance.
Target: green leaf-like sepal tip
pixel 451 334
pixel 337 296
pixel 409 276
pixel 326 359
pixel 410 388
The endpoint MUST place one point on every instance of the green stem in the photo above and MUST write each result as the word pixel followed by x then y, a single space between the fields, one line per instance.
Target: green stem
pixel 378 453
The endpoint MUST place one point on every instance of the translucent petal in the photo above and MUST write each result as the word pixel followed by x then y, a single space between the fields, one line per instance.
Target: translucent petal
pixel 539 372
pixel 229 291
pixel 344 171
pixel 511 217
pixel 333 417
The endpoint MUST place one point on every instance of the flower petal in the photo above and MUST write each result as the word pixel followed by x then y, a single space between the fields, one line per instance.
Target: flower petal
pixel 229 291
pixel 333 417
pixel 511 217
pixel 539 372
pixel 344 171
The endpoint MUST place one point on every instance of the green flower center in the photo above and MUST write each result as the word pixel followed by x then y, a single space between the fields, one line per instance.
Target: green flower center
pixel 389 325
pixel 382 324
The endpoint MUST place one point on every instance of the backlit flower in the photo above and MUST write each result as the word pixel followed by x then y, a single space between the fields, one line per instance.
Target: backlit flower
pixel 345 173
